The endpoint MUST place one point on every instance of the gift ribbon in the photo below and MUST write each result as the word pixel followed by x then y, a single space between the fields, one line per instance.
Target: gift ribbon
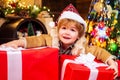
pixel 87 60
pixel 64 67
pixel 14 63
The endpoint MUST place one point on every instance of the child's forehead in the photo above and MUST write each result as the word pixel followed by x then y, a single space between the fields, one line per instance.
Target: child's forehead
pixel 69 26
pixel 68 23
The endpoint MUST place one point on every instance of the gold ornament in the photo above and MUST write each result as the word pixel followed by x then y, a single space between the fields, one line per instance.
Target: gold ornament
pixel 99 6
pixel 115 22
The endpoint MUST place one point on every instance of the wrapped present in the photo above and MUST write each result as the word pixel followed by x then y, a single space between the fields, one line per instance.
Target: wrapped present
pixel 118 61
pixel 84 68
pixel 29 64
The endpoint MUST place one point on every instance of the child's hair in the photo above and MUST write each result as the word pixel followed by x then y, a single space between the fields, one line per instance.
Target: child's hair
pixel 68 22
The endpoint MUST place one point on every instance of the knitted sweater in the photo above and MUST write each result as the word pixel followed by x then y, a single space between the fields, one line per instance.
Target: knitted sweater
pixel 46 40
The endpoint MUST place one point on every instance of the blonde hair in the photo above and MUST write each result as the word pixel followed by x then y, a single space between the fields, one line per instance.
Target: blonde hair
pixel 68 22
pixel 79 45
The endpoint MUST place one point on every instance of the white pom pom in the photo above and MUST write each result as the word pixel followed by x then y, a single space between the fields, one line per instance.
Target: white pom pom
pixel 52 24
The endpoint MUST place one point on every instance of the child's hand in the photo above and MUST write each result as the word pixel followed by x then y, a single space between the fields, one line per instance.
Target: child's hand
pixel 13 44
pixel 115 68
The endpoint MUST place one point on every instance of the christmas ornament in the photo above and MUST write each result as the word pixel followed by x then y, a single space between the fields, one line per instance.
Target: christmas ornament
pixel 99 6
pixel 113 46
pixel 101 31
pixel 101 25
pixel 108 31
pixel 115 22
pixel 35 9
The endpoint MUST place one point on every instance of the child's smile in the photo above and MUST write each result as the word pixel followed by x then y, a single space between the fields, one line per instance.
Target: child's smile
pixel 66 37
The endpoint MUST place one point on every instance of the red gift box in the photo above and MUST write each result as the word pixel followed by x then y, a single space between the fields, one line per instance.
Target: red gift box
pixel 118 61
pixel 30 64
pixel 74 71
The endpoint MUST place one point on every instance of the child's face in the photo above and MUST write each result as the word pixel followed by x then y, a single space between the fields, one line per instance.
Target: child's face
pixel 68 34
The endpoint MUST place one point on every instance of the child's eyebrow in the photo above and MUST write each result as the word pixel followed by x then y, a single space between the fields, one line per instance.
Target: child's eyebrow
pixel 73 27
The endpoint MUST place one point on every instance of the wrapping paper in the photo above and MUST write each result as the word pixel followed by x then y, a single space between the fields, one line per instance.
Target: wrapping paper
pixel 73 70
pixel 29 64
pixel 118 61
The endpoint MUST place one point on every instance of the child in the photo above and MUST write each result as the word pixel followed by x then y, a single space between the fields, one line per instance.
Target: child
pixel 71 34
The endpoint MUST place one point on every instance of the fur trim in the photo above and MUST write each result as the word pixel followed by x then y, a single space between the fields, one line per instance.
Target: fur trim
pixel 54 35
pixel 79 46
pixel 73 16
pixel 24 42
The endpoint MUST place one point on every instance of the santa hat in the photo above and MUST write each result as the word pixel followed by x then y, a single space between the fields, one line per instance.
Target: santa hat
pixel 71 12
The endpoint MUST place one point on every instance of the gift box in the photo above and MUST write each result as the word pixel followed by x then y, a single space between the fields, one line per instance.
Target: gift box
pixel 118 62
pixel 29 64
pixel 70 70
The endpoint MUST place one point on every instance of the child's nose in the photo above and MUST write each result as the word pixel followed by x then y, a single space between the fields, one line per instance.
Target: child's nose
pixel 67 31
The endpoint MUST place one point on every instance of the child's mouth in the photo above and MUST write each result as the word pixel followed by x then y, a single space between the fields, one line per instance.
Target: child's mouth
pixel 65 37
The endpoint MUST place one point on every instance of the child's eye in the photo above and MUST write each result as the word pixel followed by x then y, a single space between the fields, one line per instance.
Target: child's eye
pixel 63 27
pixel 72 29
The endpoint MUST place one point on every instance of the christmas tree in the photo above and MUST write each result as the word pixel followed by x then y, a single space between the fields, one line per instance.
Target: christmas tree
pixel 103 25
pixel 30 29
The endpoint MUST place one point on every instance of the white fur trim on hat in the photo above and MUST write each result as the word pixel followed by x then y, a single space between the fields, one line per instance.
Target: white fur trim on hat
pixel 74 16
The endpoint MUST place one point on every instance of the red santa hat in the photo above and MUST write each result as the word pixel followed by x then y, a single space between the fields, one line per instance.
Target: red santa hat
pixel 71 12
